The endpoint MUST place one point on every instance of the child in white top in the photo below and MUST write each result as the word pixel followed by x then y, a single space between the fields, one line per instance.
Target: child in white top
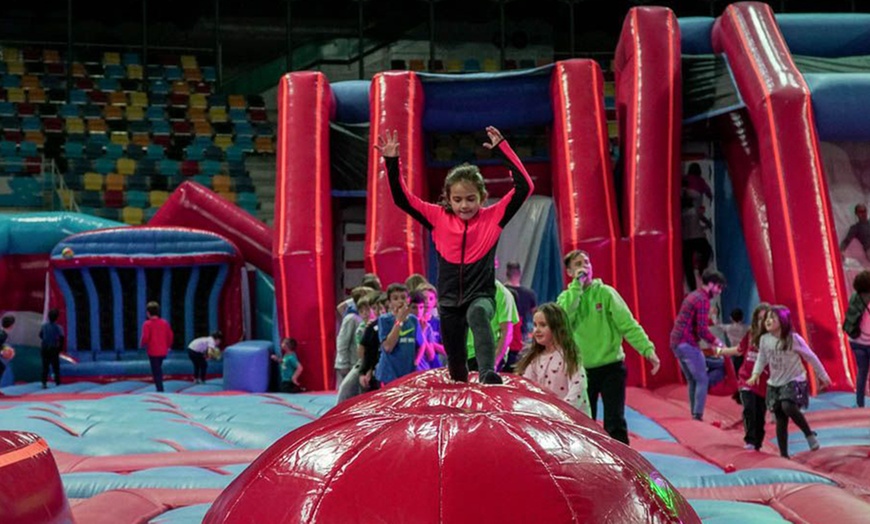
pixel 553 360
pixel 782 350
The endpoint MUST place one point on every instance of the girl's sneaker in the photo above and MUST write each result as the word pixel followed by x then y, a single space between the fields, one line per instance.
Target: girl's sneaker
pixel 813 441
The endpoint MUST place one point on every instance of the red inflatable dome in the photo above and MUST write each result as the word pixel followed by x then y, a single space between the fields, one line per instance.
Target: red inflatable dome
pixel 433 389
pixel 30 486
pixel 445 464
pixel 441 377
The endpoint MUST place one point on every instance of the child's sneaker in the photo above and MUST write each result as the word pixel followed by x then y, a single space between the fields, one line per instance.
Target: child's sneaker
pixel 813 441
pixel 490 377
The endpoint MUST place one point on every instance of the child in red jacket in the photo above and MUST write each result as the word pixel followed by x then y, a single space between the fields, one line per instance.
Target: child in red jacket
pixel 156 339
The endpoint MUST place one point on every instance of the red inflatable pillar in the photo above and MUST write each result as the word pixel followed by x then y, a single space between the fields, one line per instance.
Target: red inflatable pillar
pixel 395 245
pixel 740 147
pixel 649 98
pixel 807 274
pixel 30 486
pixel 583 191
pixel 303 248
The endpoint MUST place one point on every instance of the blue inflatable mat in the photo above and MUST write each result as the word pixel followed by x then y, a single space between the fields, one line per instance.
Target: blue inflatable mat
pixel 729 512
pixel 828 437
pixel 833 400
pixel 87 485
pixel 684 472
pixel 641 425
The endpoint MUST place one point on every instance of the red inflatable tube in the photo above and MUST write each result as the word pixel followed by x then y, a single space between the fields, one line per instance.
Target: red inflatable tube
pixel 30 486
pixel 807 274
pixel 649 97
pixel 195 206
pixel 740 146
pixel 395 244
pixel 303 247
pixel 583 191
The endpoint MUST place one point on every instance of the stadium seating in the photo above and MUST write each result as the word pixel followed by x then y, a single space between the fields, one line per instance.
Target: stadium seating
pixel 125 133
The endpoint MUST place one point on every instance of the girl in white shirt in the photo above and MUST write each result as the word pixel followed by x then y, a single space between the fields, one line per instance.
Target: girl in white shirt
pixel 782 350
pixel 553 360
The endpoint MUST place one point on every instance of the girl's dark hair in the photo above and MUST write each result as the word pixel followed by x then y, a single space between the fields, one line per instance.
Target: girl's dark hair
pixel 217 334
pixel 417 297
pixel 557 320
pixel 756 328
pixel 861 283
pixel 786 340
pixel 463 173
pixel 572 255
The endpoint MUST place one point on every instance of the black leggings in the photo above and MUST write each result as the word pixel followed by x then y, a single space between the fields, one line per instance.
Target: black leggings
pixel 784 410
pixel 51 358
pixel 455 323
pixel 200 364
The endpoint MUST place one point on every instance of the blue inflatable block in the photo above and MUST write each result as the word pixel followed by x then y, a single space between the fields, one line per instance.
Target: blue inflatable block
pixel 840 105
pixel 351 101
pixel 695 35
pixel 826 34
pixel 246 366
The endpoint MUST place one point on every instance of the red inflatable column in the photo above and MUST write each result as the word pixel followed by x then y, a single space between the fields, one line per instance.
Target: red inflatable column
pixel 303 248
pixel 583 191
pixel 740 147
pixel 395 245
pixel 807 274
pixel 30 486
pixel 649 98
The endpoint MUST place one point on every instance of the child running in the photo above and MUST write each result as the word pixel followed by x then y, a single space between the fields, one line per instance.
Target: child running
pixel 553 360
pixel 782 350
pixel 752 397
pixel 465 236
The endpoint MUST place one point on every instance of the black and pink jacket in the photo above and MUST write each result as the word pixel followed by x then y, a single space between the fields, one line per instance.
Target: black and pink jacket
pixel 466 248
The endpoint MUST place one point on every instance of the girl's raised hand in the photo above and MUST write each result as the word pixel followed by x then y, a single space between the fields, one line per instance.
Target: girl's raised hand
pixel 494 137
pixel 388 144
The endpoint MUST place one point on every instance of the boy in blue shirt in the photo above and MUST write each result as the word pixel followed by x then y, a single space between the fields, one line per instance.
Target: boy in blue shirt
pixel 400 335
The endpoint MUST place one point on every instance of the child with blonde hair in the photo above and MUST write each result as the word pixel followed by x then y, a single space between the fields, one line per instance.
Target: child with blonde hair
pixel 553 360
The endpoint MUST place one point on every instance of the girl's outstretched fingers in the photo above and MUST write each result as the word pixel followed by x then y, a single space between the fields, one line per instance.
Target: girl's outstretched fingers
pixel 388 144
pixel 494 136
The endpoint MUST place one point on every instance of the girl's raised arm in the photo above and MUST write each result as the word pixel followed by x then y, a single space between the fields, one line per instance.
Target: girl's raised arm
pixel 423 212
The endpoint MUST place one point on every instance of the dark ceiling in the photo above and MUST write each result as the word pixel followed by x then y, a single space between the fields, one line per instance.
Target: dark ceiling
pixel 256 26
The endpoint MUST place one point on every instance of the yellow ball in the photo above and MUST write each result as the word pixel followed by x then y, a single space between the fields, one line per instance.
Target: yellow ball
pixel 67 252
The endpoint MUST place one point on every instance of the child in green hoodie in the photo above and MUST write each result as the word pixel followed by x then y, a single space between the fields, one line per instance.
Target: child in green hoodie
pixel 599 320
